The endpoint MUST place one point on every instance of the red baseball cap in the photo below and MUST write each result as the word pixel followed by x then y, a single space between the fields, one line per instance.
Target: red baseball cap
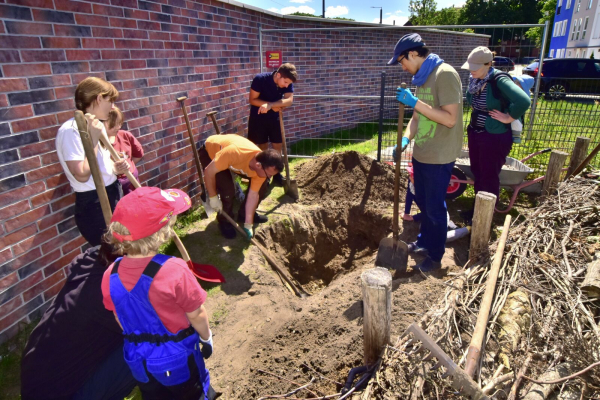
pixel 147 209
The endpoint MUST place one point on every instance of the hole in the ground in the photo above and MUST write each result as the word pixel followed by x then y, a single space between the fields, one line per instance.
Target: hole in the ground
pixel 319 244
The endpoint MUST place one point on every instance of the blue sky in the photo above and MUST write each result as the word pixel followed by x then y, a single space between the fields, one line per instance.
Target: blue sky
pixel 358 10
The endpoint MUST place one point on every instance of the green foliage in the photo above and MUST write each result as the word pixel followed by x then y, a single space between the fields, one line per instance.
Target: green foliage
pixel 592 55
pixel 301 14
pixel 547 10
pixel 422 12
pixel 481 12
pixel 343 19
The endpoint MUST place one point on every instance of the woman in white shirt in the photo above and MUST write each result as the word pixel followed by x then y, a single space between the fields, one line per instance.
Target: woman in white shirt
pixel 95 97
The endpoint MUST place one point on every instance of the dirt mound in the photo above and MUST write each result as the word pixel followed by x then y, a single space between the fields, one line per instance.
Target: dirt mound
pixel 318 245
pixel 341 179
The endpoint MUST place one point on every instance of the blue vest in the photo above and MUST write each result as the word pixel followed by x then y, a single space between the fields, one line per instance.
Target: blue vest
pixel 149 346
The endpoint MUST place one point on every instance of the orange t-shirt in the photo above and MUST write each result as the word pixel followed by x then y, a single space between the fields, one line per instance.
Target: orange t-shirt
pixel 234 152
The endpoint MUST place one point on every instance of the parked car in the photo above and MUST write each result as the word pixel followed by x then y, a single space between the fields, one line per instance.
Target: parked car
pixel 567 75
pixel 527 60
pixel 504 64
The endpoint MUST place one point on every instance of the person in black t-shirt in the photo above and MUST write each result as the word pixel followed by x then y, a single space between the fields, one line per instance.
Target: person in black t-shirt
pixel 76 350
pixel 269 93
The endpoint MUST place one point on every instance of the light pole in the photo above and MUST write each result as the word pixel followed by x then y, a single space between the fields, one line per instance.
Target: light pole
pixel 323 9
pixel 380 14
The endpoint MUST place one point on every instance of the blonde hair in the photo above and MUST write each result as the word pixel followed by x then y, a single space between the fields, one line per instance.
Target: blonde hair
pixel 88 90
pixel 115 117
pixel 142 246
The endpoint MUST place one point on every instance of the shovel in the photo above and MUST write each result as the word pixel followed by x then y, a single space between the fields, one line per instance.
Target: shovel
pixel 393 252
pixel 205 272
pixel 298 291
pixel 203 195
pixel 291 186
pixel 461 381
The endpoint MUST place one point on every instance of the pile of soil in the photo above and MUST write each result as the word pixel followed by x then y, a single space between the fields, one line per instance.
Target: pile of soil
pixel 341 179
pixel 269 342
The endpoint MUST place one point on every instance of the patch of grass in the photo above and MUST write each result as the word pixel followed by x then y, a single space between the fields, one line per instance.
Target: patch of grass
pixel 10 362
pixel 218 315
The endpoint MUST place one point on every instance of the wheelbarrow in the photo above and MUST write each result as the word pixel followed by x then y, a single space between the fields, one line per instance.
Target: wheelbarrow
pixel 512 175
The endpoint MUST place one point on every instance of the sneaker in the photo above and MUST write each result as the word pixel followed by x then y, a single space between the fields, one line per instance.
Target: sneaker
pixel 428 265
pixel 277 180
pixel 414 248
pixel 227 230
pixel 258 219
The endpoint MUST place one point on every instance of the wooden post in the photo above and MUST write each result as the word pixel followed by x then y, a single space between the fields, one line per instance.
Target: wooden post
pixel 557 160
pixel 578 154
pixel 377 314
pixel 591 282
pixel 482 224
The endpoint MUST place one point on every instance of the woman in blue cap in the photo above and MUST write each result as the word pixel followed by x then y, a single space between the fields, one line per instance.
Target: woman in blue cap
pixel 436 126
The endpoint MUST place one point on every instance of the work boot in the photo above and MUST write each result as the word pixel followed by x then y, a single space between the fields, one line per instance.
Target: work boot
pixel 413 247
pixel 227 230
pixel 277 180
pixel 428 265
pixel 258 219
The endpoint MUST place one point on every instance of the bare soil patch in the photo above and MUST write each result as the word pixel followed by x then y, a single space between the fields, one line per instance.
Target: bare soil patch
pixel 269 342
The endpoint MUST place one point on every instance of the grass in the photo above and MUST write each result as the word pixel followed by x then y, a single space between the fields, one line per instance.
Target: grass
pixel 10 363
pixel 557 124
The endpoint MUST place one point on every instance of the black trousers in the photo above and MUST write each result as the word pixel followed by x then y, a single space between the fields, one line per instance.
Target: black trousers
pixel 88 212
pixel 226 187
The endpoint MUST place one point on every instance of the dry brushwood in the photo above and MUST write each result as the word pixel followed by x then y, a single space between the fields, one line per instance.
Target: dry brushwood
pixel 546 259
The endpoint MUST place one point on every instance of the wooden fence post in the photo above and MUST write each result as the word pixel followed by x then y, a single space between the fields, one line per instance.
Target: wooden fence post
pixel 578 154
pixel 482 224
pixel 377 312
pixel 557 160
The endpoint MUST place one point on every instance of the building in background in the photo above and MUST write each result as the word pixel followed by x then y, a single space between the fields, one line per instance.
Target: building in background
pixel 581 32
pixel 561 28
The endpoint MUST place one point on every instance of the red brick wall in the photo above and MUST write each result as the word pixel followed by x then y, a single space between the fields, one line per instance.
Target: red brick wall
pixel 153 52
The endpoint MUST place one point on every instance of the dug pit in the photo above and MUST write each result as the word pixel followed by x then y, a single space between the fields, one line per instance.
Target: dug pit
pixel 318 245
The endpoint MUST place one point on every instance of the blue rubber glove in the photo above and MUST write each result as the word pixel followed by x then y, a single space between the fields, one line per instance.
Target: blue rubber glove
pixel 404 96
pixel 404 144
pixel 248 230
pixel 207 346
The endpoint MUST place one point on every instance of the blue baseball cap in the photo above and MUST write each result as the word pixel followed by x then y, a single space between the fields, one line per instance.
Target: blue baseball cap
pixel 407 42
pixel 525 81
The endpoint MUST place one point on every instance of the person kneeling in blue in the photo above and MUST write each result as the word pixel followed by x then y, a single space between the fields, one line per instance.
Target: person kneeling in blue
pixel 157 300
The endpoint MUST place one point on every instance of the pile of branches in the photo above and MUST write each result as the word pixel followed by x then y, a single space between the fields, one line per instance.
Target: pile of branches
pixel 541 323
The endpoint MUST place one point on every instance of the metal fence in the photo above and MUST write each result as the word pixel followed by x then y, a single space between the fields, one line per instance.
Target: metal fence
pixel 361 112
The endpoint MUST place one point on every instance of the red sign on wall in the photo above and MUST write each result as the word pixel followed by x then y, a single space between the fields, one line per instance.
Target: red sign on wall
pixel 274 59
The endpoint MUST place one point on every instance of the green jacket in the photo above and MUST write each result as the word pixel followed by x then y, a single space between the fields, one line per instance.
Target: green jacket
pixel 518 101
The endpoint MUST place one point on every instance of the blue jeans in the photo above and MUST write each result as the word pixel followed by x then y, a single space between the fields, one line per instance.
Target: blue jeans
pixel 431 184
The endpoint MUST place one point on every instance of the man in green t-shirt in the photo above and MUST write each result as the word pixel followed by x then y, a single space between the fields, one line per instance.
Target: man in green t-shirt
pixel 437 128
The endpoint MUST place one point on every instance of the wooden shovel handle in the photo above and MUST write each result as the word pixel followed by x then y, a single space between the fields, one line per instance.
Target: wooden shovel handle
pixel 395 225
pixel 88 147
pixel 136 184
pixel 212 115
pixel 474 351
pixel 181 100
pixel 298 292
pixel 284 146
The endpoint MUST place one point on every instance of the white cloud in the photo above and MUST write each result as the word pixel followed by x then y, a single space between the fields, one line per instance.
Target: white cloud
pixel 337 11
pixel 301 1
pixel 293 9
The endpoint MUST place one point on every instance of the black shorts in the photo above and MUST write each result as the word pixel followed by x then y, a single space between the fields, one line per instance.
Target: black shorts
pixel 264 130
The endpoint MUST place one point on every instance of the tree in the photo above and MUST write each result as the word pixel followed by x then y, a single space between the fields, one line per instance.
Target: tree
pixel 548 8
pixel 301 14
pixel 447 16
pixel 422 12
